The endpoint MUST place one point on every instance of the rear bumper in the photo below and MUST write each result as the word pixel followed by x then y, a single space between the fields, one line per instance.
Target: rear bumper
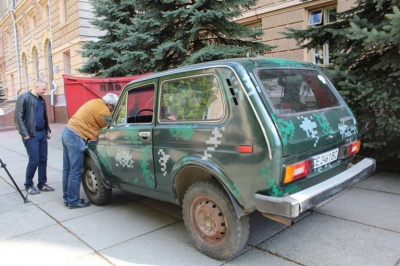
pixel 292 205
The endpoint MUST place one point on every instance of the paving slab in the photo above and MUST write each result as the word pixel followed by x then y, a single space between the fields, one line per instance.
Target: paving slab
pixel 324 240
pixel 369 207
pixel 170 245
pixel 255 257
pixel 115 225
pixel 382 181
pixel 57 210
pixel 22 220
pixel 52 245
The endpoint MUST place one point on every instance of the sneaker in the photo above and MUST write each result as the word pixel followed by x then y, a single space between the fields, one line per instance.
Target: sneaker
pixel 66 202
pixel 46 188
pixel 32 190
pixel 80 204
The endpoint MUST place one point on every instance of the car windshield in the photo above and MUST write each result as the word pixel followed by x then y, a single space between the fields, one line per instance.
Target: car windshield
pixel 292 91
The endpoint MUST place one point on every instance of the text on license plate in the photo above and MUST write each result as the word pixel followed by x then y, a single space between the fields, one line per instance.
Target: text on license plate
pixel 325 158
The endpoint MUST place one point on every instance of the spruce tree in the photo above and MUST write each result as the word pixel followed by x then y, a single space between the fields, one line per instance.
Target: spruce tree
pixel 153 35
pixel 364 44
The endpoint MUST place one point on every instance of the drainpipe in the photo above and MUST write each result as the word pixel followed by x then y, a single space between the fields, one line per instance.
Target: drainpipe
pixel 16 47
pixel 52 101
pixel 53 82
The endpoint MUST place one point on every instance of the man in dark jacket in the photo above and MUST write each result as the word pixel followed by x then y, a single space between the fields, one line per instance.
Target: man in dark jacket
pixel 33 125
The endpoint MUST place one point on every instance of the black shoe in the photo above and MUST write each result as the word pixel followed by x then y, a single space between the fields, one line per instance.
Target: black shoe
pixel 46 188
pixel 66 202
pixel 81 204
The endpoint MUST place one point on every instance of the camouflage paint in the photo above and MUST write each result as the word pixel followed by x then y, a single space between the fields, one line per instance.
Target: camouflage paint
pixel 104 158
pixel 214 141
pixel 133 136
pixel 286 129
pixel 144 165
pixel 163 161
pixel 185 132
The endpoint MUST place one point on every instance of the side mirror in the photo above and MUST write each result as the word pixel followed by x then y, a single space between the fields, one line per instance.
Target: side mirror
pixel 108 119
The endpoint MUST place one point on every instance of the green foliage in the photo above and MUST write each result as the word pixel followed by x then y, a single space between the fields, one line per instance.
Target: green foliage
pixel 365 47
pixel 188 99
pixel 146 36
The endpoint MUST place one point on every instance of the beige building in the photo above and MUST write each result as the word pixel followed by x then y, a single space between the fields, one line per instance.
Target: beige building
pixel 275 16
pixel 40 38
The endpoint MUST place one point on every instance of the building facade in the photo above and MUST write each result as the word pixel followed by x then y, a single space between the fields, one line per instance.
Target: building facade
pixel 40 38
pixel 274 16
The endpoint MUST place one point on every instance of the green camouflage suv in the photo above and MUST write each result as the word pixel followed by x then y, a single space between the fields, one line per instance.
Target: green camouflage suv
pixel 226 138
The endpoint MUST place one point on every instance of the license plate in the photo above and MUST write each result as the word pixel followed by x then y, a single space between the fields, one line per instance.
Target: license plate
pixel 325 158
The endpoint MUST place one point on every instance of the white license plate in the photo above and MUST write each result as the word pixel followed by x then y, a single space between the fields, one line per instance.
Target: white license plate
pixel 325 158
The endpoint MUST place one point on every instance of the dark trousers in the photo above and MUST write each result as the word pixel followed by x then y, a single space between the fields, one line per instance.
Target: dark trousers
pixel 36 147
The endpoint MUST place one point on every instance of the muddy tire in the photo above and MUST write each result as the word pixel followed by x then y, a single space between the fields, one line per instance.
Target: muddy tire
pixel 92 184
pixel 211 221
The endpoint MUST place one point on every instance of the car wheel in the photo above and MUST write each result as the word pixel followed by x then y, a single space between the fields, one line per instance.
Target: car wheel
pixel 92 184
pixel 211 220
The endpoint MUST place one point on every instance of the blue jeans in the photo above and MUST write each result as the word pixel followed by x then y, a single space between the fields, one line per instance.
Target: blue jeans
pixel 36 147
pixel 73 156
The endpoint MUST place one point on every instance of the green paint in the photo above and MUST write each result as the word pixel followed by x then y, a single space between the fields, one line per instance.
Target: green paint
pixel 104 158
pixel 184 132
pixel 324 124
pixel 144 164
pixel 265 172
pixel 275 191
pixel 133 136
pixel 286 129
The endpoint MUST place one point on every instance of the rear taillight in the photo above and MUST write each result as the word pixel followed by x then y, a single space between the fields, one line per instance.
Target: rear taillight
pixel 349 150
pixel 297 171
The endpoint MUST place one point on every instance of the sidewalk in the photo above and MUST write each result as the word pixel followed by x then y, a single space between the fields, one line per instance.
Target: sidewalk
pixel 359 227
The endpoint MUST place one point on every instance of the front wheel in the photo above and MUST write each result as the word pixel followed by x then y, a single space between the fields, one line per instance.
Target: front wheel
pixel 92 184
pixel 211 220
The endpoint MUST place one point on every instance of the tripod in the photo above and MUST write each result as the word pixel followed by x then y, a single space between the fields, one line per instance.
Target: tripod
pixel 3 165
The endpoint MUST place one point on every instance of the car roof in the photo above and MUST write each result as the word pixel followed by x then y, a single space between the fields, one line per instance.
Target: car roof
pixel 234 62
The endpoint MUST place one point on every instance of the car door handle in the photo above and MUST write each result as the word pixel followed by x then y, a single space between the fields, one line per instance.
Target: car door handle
pixel 144 135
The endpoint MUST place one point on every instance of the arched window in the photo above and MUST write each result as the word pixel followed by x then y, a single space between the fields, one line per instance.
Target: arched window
pixel 35 63
pixel 25 70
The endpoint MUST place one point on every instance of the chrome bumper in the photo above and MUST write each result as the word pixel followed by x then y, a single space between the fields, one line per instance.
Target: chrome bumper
pixel 292 205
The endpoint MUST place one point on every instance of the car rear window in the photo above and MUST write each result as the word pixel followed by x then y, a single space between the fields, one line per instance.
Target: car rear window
pixel 292 91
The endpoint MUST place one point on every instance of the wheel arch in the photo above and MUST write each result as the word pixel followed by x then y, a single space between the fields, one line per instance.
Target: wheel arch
pixel 194 169
pixel 90 154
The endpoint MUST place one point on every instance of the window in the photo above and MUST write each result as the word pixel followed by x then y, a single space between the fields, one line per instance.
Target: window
pixel 64 11
pixel 31 13
pixel 25 67
pixel 320 54
pixel 257 28
pixel 136 106
pixel 36 62
pixel 295 91
pixel 195 98
pixel 67 63
pixel 315 17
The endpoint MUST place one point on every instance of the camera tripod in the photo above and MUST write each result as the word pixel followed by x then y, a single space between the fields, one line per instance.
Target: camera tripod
pixel 3 165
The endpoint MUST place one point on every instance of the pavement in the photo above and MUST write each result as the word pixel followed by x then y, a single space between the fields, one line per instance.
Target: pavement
pixel 359 227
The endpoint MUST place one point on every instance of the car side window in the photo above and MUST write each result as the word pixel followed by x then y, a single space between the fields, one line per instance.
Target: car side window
pixel 121 111
pixel 140 104
pixel 193 98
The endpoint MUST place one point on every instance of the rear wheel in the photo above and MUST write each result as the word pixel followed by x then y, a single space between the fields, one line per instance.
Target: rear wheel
pixel 92 184
pixel 211 221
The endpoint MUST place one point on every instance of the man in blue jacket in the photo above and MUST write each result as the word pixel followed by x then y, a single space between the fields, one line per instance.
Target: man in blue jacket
pixel 33 125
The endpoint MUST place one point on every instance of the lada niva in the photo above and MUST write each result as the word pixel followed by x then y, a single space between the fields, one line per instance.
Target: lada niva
pixel 226 138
